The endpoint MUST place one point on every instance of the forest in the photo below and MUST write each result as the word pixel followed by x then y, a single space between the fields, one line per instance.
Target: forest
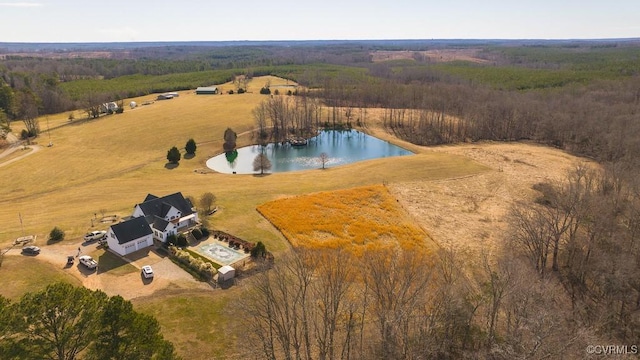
pixel 569 273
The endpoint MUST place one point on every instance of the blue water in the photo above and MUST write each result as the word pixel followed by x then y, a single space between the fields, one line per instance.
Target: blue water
pixel 342 147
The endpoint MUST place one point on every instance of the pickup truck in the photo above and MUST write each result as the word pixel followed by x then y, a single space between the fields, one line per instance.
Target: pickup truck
pixel 95 235
pixel 88 261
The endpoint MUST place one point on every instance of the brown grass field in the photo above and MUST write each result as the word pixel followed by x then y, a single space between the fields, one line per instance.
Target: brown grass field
pixel 357 219
pixel 458 194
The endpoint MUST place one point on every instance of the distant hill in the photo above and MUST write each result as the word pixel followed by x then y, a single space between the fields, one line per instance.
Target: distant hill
pixel 12 47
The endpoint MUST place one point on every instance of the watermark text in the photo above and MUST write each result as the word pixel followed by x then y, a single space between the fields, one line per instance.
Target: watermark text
pixel 612 349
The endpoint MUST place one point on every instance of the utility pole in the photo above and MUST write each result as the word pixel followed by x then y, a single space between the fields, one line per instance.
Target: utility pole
pixel 21 226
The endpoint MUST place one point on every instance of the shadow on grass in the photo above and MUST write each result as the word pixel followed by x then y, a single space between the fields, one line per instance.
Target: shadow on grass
pixel 261 175
pixel 226 284
pixel 171 166
pixel 51 242
pixel 189 156
pixel 109 261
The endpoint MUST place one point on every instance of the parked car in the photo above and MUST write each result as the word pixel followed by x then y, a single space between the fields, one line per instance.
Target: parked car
pixel 31 250
pixel 88 261
pixel 147 272
pixel 95 235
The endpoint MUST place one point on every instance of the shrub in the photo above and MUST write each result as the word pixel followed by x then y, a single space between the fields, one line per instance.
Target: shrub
pixel 276 92
pixel 230 92
pixel 172 240
pixel 259 250
pixel 265 91
pixel 196 233
pixel 205 232
pixel 24 134
pixel 56 235
pixel 241 91
pixel 181 240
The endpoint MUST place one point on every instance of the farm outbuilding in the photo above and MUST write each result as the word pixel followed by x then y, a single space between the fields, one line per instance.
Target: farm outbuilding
pixel 226 273
pixel 207 90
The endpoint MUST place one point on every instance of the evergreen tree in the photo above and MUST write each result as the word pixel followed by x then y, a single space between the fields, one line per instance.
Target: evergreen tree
pixel 191 147
pixel 173 155
pixel 68 322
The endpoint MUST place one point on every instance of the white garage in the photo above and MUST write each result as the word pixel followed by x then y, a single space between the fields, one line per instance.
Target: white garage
pixel 129 236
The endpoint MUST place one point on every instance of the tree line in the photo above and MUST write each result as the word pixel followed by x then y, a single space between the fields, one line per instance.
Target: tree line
pixel 583 232
pixel 405 304
pixel 597 120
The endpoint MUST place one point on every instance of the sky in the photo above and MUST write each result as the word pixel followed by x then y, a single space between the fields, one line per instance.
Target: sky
pixel 224 20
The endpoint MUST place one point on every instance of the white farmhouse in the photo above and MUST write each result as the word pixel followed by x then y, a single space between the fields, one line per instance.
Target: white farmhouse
pixel 154 218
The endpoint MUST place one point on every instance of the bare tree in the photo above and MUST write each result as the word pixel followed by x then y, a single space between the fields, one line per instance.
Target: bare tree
pixel 398 285
pixel 530 233
pixel 261 163
pixel 207 200
pixel 28 105
pixel 324 158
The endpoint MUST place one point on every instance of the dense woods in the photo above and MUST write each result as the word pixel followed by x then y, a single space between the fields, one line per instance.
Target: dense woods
pixel 569 273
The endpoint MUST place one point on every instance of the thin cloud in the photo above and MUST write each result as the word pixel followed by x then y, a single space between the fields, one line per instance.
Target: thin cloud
pixel 20 4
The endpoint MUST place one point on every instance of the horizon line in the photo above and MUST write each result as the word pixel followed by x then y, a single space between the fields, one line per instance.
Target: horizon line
pixel 323 40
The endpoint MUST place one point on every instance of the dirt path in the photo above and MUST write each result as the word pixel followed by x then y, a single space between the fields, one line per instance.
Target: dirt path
pixel 14 145
pixel 468 214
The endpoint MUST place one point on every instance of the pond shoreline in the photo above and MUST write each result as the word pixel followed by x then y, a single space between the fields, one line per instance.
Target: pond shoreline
pixel 339 147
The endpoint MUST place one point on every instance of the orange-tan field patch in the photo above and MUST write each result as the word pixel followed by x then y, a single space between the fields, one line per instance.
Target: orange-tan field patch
pixel 435 55
pixel 355 219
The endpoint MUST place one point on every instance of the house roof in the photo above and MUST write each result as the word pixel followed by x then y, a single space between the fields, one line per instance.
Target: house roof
pixel 159 223
pixel 131 229
pixel 150 197
pixel 154 205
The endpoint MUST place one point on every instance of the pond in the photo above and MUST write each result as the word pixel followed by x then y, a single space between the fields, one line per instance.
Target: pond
pixel 341 147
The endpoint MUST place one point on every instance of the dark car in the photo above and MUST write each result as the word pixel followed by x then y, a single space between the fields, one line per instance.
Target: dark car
pixel 31 250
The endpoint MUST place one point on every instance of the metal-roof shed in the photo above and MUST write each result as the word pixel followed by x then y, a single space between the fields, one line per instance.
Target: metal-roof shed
pixel 207 90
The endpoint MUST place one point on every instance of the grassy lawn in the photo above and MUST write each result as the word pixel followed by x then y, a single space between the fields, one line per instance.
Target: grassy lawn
pixel 195 322
pixel 29 274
